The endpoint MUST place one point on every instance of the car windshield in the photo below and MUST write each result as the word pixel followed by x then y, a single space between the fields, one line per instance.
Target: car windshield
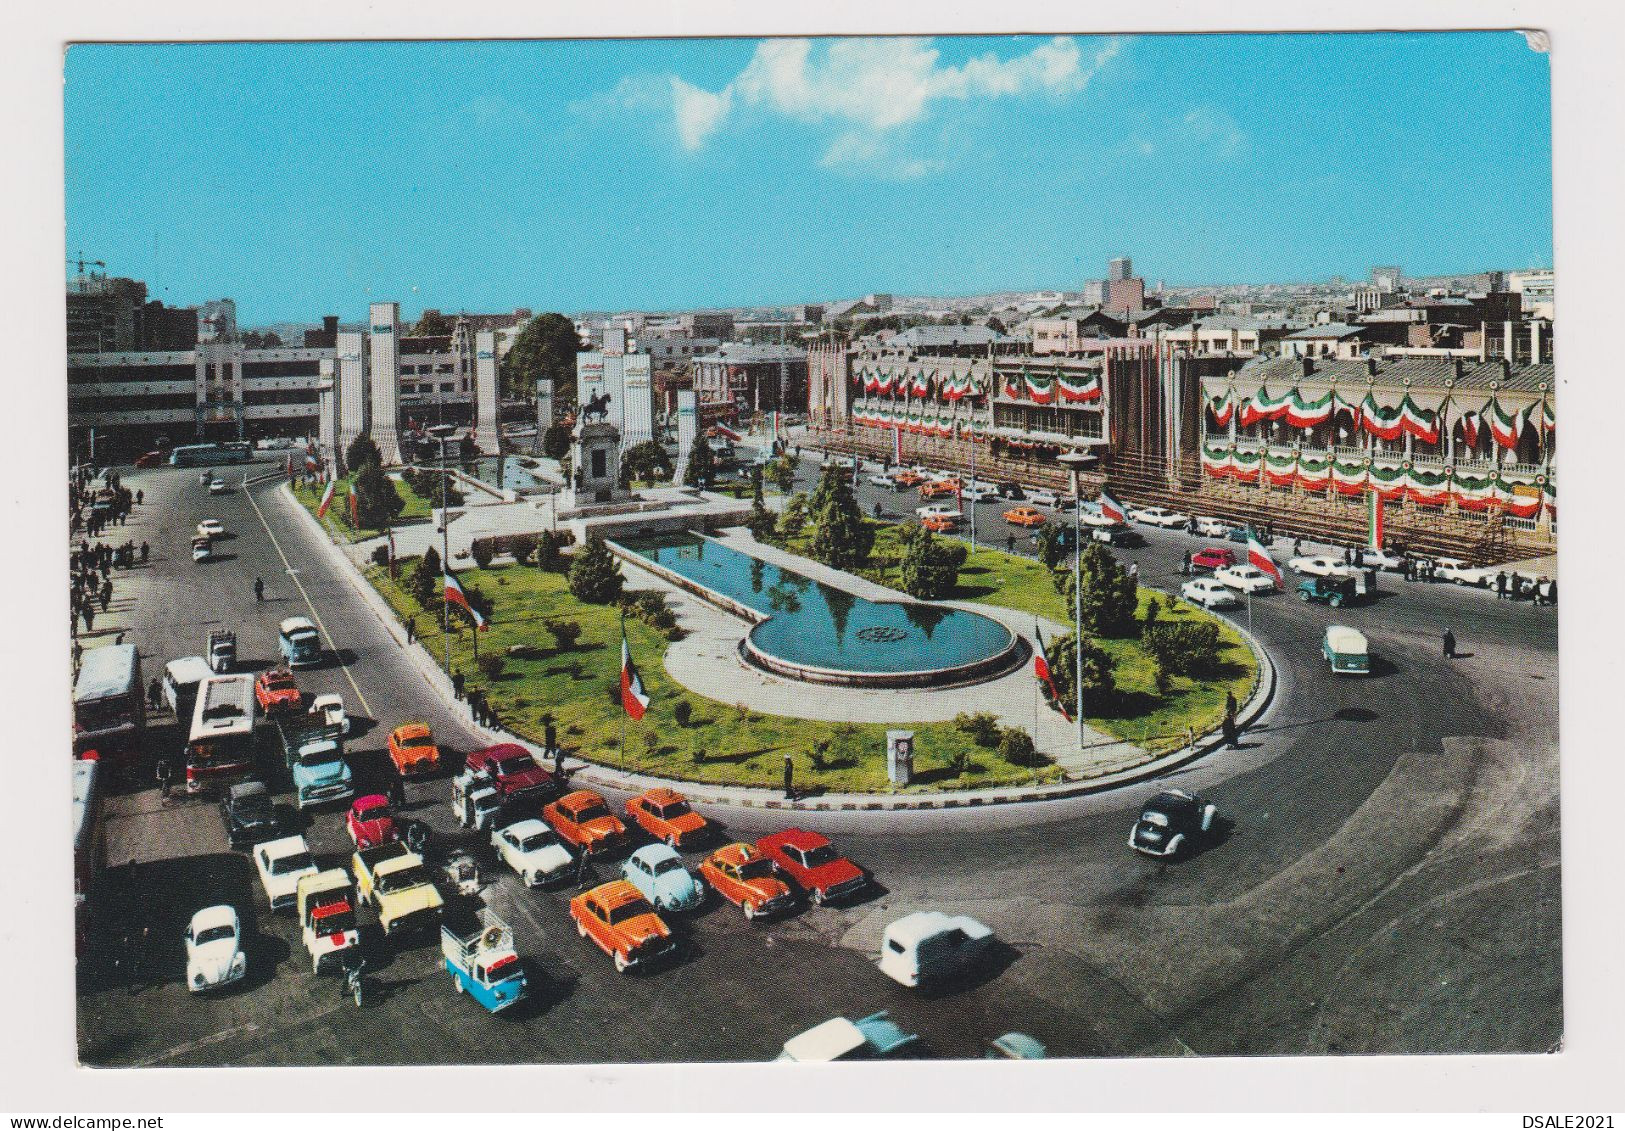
pixel 670 864
pixel 316 758
pixel 823 854
pixel 405 878
pixel 376 813
pixel 534 841
pixel 416 740
pixel 214 934
pixel 292 863
pixel 631 909
pixel 514 764
pixel 591 812
pixel 757 869
pixel 672 810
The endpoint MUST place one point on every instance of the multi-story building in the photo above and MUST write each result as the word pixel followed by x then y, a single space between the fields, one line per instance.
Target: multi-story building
pixel 1539 291
pixel 1125 294
pixel 1120 269
pixel 741 380
pixel 718 324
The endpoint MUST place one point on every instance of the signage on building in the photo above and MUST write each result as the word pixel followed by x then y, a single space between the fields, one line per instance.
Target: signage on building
pixel 377 329
pixel 485 355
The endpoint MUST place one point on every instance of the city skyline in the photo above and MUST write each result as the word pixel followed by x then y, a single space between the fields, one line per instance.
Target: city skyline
pixel 294 203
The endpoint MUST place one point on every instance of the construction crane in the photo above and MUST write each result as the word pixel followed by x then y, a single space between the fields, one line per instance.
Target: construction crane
pixel 81 262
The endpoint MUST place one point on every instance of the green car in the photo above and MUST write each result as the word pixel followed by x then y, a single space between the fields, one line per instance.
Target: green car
pixel 1334 591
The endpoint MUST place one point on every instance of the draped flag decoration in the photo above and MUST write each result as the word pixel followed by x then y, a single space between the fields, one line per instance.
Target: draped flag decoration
pixel 327 498
pixel 1041 670
pixel 453 593
pixel 1079 390
pixel 1469 428
pixel 1280 470
pixel 1505 427
pixel 1221 408
pixel 634 699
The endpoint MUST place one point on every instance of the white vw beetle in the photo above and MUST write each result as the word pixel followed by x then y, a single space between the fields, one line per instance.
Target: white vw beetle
pixel 214 949
pixel 533 850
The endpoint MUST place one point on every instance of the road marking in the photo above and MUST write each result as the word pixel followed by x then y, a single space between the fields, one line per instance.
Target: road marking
pixel 309 604
pixel 189 1046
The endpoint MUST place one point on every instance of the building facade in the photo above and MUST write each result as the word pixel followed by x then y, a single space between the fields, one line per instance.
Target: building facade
pixel 741 380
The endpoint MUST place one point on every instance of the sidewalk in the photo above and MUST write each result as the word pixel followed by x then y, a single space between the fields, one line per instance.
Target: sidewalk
pixel 609 777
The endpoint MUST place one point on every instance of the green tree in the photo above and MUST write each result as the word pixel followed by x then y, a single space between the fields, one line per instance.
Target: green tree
pixel 595 575
pixel 361 452
pixel 763 523
pixel 377 502
pixel 433 324
pixel 1016 747
pixel 983 727
pixel 647 460
pixel 930 567
pixel 426 578
pixel 482 552
pixel 565 633
pixel 556 441
pixel 1183 647
pixel 702 464
pixel 1054 545
pixel 782 474
pixel 841 539
pixel 1111 598
pixel 1099 684
pixel 794 515
pixel 544 350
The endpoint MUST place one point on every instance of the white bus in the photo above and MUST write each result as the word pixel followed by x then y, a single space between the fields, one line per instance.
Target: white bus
pixel 220 749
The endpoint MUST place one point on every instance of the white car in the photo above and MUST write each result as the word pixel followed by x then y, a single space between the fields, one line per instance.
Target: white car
pixel 218 487
pixel 1158 516
pixel 1042 497
pixel 939 510
pixel 214 949
pixel 977 494
pixel 1208 593
pixel 1384 559
pixel 1320 565
pixel 211 528
pixel 1454 569
pixel 1213 527
pixel 280 863
pixel 1245 579
pixel 885 481
pixel 329 711
pixel 533 850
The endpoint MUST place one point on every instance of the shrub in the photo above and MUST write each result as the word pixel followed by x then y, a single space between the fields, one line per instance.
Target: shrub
pixel 482 552
pixel 1110 596
pixel 931 568
pixel 682 711
pixel 522 546
pixel 648 603
pixel 565 633
pixel 983 727
pixel 1183 647
pixel 491 665
pixel 556 441
pixel 1153 609
pixel 550 550
pixel 427 578
pixel 1099 684
pixel 665 620
pixel 959 762
pixel 595 576
pixel 1016 747
pixel 380 555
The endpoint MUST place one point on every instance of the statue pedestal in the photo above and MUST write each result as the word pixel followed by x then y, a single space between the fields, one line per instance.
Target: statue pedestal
pixel 595 467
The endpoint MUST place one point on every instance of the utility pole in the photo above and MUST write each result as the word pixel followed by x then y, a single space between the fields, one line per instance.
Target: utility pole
pixel 1073 461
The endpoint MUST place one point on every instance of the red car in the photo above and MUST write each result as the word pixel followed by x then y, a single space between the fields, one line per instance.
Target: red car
pixel 275 690
pixel 150 459
pixel 812 862
pixel 512 769
pixel 370 822
pixel 1213 558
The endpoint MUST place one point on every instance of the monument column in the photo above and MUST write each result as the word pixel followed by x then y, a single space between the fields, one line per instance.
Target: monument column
pixel 384 335
pixel 350 388
pixel 487 433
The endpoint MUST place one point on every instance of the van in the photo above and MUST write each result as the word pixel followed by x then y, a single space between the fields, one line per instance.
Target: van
pixel 929 947
pixel 182 678
pixel 299 642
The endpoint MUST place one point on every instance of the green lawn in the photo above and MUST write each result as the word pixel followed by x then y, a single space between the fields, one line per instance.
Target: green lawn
pixel 337 519
pixel 721 744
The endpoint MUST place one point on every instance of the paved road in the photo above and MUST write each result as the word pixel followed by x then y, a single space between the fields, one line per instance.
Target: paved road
pixel 1390 883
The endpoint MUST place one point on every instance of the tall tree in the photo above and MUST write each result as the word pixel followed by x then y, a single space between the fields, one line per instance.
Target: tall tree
pixel 544 350
pixel 377 502
pixel 595 575
pixel 1098 681
pixel 702 464
pixel 841 539
pixel 361 452
pixel 433 324
pixel 930 567
pixel 1111 598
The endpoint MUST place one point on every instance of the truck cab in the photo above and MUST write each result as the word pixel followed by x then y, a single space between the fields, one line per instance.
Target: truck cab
pixel 327 921
pixel 299 642
pixel 475 800
pixel 480 957
pixel 314 754
pixel 222 650
pixel 928 947
pixel 182 678
pixel 1334 591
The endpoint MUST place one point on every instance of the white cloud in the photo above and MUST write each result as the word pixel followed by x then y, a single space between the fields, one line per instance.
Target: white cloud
pixel 699 112
pixel 1215 130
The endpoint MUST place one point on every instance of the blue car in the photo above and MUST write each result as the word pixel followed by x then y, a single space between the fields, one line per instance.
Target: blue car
pixel 658 874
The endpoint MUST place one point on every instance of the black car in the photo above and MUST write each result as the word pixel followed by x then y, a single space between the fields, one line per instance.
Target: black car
pixel 1171 822
pixel 248 815
pixel 1334 591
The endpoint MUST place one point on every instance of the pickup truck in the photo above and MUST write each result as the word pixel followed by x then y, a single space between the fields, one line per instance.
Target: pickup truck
pixel 327 918
pixel 393 878
pixel 314 753
pixel 512 771
pixel 480 958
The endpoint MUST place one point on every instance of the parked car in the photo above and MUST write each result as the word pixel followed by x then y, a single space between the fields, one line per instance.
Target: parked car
pixel 534 851
pixel 885 482
pixel 929 947
pixel 1213 558
pixel 937 524
pixel 939 488
pixel 809 860
pixel 1024 516
pixel 666 815
pixel 211 528
pixel 202 549
pixel 906 478
pixel 944 511
pixel 1016 1046
pixel 248 815
pixel 1042 497
pixel 1158 516
pixel 1346 651
pixel 619 920
pixel 867 1038
pixel 744 877
pixel 214 949
pixel 148 459
pixel 657 871
pixel 280 863
pixel 1209 593
pixel 413 751
pixel 1320 565
pixel 1213 527
pixel 584 822
pixel 978 493
pixel 370 821
pixel 1245 579
pixel 1333 591
pixel 1454 569
pixel 275 691
pixel 1171 823
pixel 1384 559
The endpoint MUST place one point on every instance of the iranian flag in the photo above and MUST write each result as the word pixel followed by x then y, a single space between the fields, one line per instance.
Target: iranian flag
pixel 1041 670
pixel 327 498
pixel 1112 509
pixel 1374 520
pixel 633 697
pixel 1259 558
pixel 454 594
pixel 1504 426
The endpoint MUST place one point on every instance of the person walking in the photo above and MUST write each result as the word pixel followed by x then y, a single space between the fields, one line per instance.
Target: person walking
pixel 583 871
pixel 1231 732
pixel 105 596
pixel 90 616
pixel 789 779
pixel 1009 543
pixel 140 498
pixel 1297 547
pixel 1551 591
pixel 1134 571
pixel 1449 645
pixel 165 777
pixel 259 589
pixel 457 683
pixel 1501 586
pixel 155 694
pixel 145 549
pixel 397 791
pixel 411 629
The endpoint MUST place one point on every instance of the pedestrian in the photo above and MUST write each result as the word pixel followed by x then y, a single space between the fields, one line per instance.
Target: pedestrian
pixel 1501 586
pixel 411 629
pixel 457 683
pixel 1348 555
pixel 1449 645
pixel 1185 563
pixel 789 779
pixel 164 777
pixel 1551 591
pixel 1009 543
pixel 140 498
pixel 1231 734
pixel 106 594
pixel 1297 547
pixel 144 551
pixel 259 589
pixel 1134 571
pixel 78 654
pixel 397 791
pixel 90 617
pixel 155 694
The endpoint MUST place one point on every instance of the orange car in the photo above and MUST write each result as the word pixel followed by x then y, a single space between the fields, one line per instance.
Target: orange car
pixel 939 487
pixel 584 821
pixel 617 917
pixel 937 524
pixel 1023 516
pixel 275 690
pixel 908 479
pixel 412 749
pixel 742 875
pixel 664 814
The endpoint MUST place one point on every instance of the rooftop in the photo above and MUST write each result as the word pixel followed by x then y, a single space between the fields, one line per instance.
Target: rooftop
pixel 739 353
pixel 1422 372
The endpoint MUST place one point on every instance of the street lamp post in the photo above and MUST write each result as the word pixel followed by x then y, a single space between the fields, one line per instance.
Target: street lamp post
pixel 441 436
pixel 1073 461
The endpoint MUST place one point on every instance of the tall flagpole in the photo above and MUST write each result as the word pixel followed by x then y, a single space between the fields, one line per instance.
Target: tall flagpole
pixel 625 653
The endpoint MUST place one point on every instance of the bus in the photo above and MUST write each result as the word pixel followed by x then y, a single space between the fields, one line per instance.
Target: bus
pixel 89 846
pixel 207 455
pixel 109 703
pixel 220 748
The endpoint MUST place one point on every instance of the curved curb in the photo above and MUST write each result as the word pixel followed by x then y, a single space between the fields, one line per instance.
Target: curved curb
pixel 749 797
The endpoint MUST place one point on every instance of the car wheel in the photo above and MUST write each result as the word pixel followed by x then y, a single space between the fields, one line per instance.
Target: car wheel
pixel 750 909
pixel 1208 813
pixel 1336 602
pixel 621 964
pixel 1176 845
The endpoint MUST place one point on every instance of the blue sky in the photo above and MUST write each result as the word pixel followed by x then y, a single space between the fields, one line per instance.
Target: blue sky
pixel 303 179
